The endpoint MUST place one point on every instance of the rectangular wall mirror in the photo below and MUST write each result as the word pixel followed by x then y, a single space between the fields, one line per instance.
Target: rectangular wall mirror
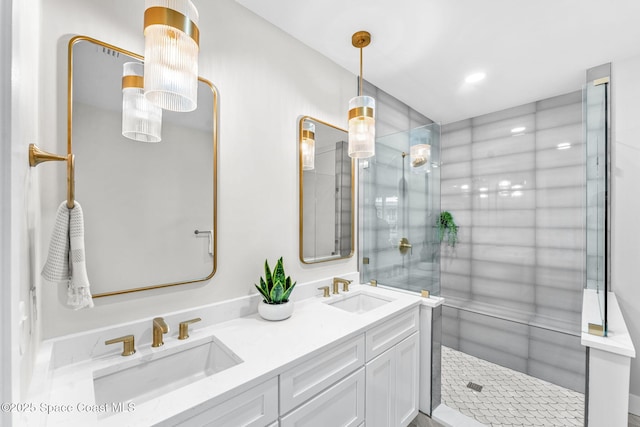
pixel 326 192
pixel 149 208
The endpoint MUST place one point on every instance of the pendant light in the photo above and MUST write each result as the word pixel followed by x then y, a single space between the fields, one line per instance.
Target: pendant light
pixel 171 38
pixel 308 145
pixel 362 125
pixel 141 119
pixel 420 151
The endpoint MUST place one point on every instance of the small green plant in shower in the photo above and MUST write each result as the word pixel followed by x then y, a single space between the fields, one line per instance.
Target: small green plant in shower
pixel 447 228
pixel 275 288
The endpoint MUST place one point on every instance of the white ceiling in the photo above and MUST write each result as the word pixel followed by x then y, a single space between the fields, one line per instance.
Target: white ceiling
pixel 421 50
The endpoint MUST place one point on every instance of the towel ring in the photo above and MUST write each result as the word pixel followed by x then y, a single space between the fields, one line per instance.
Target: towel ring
pixel 37 156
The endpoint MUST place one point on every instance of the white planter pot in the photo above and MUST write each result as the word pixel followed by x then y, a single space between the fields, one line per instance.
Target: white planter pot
pixel 275 311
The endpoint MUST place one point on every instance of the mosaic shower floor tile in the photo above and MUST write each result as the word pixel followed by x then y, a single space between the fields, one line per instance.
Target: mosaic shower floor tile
pixel 508 398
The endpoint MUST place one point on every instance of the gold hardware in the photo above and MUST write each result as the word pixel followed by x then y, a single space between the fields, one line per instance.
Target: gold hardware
pixel 601 81
pixel 159 329
pixel 404 246
pixel 215 150
pixel 424 294
pixel 373 282
pixel 307 134
pixel 128 341
pixel 365 260
pixel 37 156
pixel 165 16
pixel 325 291
pixel 595 329
pixel 359 40
pixel 184 328
pixel 132 81
pixel 345 284
pixel 361 112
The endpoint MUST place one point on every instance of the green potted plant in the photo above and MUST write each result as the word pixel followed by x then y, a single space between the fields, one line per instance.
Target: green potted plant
pixel 275 289
pixel 447 228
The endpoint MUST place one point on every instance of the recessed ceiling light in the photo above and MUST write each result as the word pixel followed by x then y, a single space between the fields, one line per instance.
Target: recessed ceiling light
pixel 564 145
pixel 475 77
pixel 518 129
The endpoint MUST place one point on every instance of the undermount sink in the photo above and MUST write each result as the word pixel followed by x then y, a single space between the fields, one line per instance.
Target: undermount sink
pixel 359 303
pixel 152 375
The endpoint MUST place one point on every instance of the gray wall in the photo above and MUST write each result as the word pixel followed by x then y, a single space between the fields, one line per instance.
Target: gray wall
pixel 517 274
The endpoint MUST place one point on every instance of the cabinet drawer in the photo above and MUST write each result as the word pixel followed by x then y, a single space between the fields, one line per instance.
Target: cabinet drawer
pixel 256 407
pixel 307 379
pixel 391 332
pixel 339 405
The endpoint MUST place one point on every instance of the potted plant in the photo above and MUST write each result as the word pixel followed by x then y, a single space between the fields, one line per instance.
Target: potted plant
pixel 275 289
pixel 447 228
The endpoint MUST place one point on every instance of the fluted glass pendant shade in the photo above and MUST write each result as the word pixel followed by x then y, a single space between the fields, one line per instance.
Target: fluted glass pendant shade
pixel 141 119
pixel 420 156
pixel 308 145
pixel 362 127
pixel 171 38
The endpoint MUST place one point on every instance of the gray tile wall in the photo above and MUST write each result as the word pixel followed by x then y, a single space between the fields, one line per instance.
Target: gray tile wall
pixel 514 282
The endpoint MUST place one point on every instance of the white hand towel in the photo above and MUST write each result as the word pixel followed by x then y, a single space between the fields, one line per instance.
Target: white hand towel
pixel 66 259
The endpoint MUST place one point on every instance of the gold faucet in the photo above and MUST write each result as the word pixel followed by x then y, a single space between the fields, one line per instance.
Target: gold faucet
pixel 325 291
pixel 184 328
pixel 345 284
pixel 129 346
pixel 159 329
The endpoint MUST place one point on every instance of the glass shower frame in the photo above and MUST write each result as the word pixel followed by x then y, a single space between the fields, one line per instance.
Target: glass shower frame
pixel 399 200
pixel 596 97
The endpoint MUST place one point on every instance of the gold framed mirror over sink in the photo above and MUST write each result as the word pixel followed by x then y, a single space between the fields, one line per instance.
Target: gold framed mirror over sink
pixel 149 206
pixel 326 174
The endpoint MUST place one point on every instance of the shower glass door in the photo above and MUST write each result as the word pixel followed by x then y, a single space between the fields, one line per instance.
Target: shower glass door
pixel 400 203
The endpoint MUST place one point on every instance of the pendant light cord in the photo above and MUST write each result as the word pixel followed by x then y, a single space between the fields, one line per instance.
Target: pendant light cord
pixel 361 72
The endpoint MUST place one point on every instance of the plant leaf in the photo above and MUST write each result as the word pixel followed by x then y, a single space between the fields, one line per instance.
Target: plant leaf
pixel 276 293
pixel 265 296
pixel 278 272
pixel 285 296
pixel 267 276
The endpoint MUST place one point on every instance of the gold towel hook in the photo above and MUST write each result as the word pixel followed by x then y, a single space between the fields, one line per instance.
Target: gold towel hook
pixel 37 156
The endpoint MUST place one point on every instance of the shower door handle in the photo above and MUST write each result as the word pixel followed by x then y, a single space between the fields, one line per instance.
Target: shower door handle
pixel 404 246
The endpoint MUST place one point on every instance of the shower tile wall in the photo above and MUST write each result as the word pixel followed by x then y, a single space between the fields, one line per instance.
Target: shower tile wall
pixel 393 115
pixel 514 281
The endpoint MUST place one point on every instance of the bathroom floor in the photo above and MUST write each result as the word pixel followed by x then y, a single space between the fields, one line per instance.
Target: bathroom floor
pixel 507 398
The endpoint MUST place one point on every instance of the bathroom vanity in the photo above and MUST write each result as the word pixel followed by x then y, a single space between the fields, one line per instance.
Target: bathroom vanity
pixel 339 360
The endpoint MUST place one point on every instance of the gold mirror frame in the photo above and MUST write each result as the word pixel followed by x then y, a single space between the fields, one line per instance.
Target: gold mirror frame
pixel 214 91
pixel 301 194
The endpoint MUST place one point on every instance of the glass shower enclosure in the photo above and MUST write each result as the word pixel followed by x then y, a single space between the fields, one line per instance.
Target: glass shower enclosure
pixel 399 199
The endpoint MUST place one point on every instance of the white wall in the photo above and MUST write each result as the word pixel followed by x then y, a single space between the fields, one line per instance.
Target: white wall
pixel 18 213
pixel 625 253
pixel 266 81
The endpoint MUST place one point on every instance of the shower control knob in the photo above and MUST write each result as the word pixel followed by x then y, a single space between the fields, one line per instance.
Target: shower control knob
pixel 404 246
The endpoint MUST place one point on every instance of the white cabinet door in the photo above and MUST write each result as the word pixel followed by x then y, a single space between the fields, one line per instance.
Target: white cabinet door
pixel 340 405
pixel 382 337
pixel 393 380
pixel 407 380
pixel 310 377
pixel 380 405
pixel 256 407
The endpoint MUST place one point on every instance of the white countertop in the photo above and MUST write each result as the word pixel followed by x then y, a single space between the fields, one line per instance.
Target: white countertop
pixel 266 348
pixel 618 339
